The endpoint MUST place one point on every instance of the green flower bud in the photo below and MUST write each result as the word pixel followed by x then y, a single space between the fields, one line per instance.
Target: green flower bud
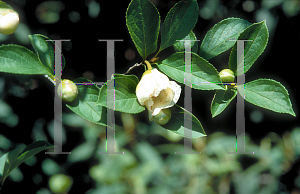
pixel 9 19
pixel 163 116
pixel 60 183
pixel 226 75
pixel 67 90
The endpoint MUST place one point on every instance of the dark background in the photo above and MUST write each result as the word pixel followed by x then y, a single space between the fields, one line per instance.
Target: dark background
pixel 84 54
pixel 278 62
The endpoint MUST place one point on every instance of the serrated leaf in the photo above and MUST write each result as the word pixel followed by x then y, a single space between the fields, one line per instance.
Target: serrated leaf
pixel 18 59
pixel 176 123
pixel 180 45
pixel 204 76
pixel 85 104
pixel 216 40
pixel 258 35
pixel 142 20
pixel 268 94
pixel 221 100
pixel 45 50
pixel 17 156
pixel 124 92
pixel 180 21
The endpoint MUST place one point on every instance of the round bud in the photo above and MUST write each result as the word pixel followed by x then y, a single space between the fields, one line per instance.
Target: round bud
pixel 226 75
pixel 67 90
pixel 9 19
pixel 60 183
pixel 163 116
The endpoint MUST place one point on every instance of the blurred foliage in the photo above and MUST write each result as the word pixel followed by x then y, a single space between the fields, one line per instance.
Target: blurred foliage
pixel 146 168
pixel 149 164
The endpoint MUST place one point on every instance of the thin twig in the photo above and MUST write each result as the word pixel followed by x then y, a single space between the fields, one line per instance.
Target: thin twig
pixel 49 78
pixel 130 68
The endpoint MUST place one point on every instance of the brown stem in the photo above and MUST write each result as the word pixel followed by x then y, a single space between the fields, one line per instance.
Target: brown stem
pixel 130 68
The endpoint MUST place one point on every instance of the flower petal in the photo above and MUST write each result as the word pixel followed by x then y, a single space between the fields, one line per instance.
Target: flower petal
pixel 145 88
pixel 177 89
pixel 157 92
pixel 161 80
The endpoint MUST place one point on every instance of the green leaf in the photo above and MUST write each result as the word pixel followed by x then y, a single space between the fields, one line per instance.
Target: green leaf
pixel 216 40
pixel 3 161
pixel 180 21
pixel 180 46
pixel 176 123
pixel 31 150
pixel 18 59
pixel 221 100
pixel 124 92
pixel 258 34
pixel 204 76
pixel 14 158
pixel 268 94
pixel 142 20
pixel 45 50
pixel 85 104
pixel 6 162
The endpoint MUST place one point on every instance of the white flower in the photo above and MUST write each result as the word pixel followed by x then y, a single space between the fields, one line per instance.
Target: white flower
pixel 9 19
pixel 156 92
